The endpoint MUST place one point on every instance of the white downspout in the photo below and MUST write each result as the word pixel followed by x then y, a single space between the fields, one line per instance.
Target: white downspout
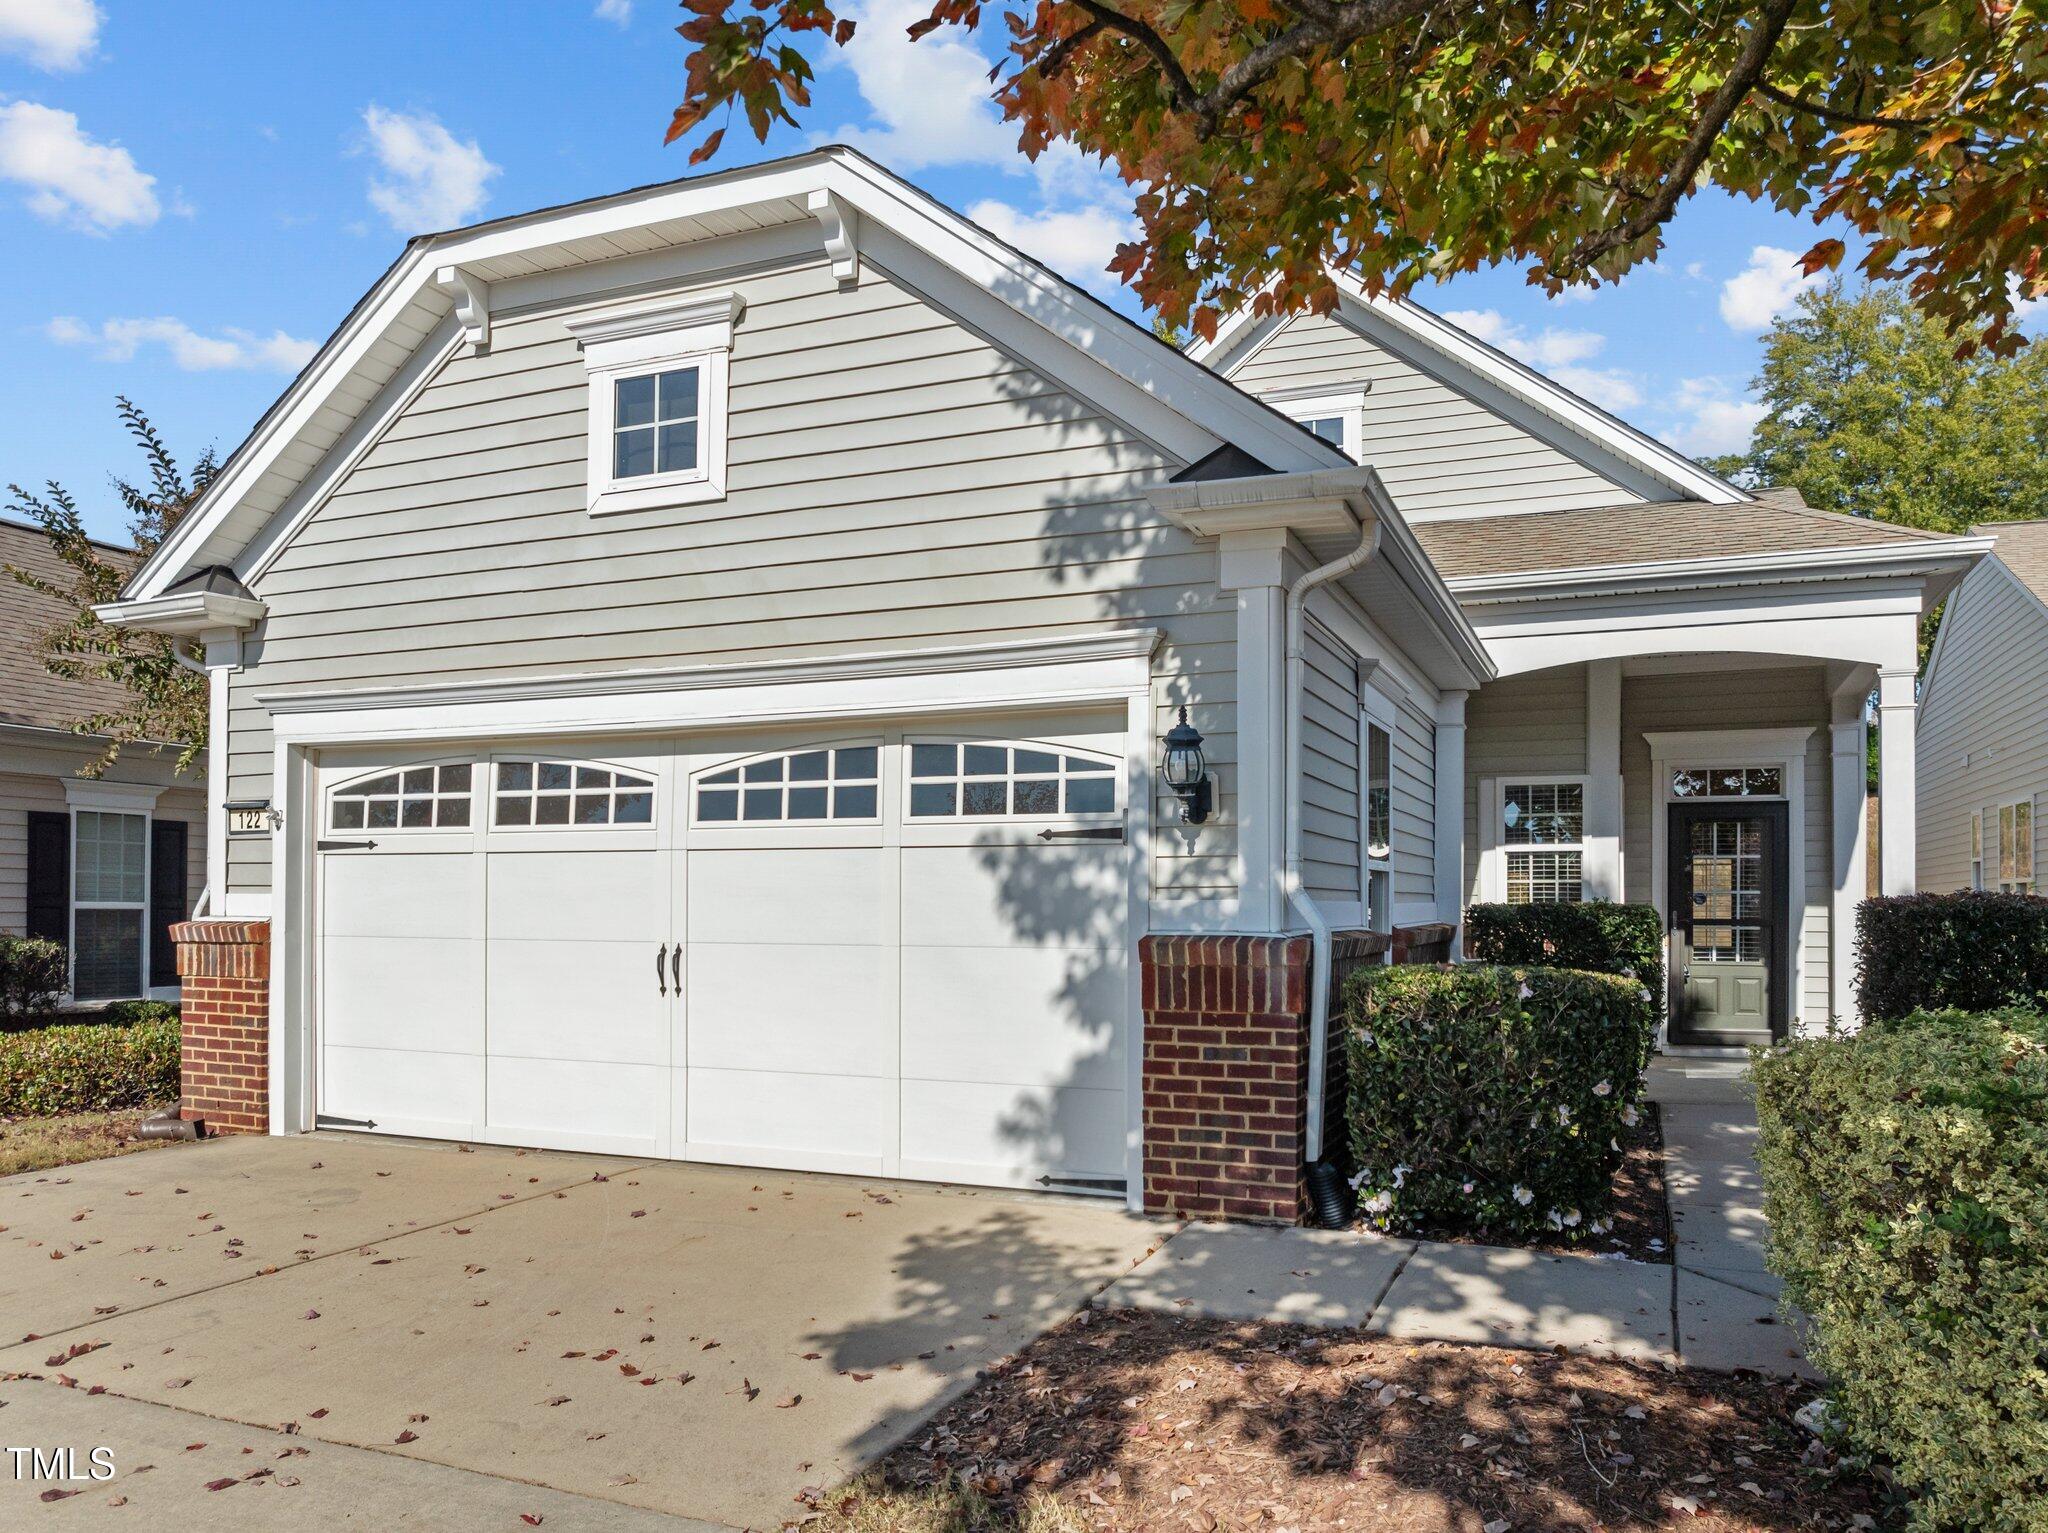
pixel 1297 894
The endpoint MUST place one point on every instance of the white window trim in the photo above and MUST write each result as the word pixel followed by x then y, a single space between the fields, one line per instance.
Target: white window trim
pixel 632 341
pixel 1493 849
pixel 700 779
pixel 1992 869
pixel 1376 710
pixel 1348 405
pixel 337 791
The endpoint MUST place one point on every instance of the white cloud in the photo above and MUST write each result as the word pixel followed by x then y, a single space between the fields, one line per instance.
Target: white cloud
pixel 1608 387
pixel 1764 289
pixel 1075 242
pixel 1549 348
pixel 118 340
pixel 50 34
pixel 432 179
pixel 618 12
pixel 929 99
pixel 70 176
pixel 1710 419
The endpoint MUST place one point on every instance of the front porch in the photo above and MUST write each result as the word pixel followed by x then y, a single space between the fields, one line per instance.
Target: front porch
pixel 1709 761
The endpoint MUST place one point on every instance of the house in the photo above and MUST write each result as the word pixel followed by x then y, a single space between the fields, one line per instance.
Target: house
pixel 695 668
pixel 1983 752
pixel 102 864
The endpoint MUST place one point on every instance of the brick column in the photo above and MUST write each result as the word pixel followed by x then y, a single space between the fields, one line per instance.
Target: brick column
pixel 224 969
pixel 1429 942
pixel 1225 1076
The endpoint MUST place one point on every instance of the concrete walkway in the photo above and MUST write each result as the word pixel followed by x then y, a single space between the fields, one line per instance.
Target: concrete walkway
pixel 1715 1307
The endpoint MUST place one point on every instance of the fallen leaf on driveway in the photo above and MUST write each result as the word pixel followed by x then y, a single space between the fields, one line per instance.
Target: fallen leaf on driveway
pixel 747 1389
pixel 684 1378
pixel 531 1519
pixel 221 1484
pixel 59 1495
pixel 629 1370
pixel 556 1400
pixel 407 1436
pixel 312 1314
pixel 792 1402
pixel 316 1415
pixel 176 1383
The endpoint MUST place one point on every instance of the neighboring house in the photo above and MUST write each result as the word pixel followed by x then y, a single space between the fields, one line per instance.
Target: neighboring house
pixel 103 865
pixel 1984 723
pixel 696 665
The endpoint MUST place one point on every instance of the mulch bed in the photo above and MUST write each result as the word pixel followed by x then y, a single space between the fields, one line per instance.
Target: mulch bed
pixel 1130 1420
pixel 1642 1211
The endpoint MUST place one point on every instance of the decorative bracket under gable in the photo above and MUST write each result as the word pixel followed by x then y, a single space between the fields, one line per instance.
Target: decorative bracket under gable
pixel 841 225
pixel 472 297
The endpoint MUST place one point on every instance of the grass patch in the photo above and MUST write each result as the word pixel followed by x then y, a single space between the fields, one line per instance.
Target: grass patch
pixel 65 1139
pixel 870 1504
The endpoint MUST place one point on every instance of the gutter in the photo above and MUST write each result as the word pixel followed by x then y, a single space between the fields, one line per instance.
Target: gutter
pixel 1296 664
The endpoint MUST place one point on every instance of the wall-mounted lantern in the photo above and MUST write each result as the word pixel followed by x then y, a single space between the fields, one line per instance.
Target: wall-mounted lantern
pixel 1185 771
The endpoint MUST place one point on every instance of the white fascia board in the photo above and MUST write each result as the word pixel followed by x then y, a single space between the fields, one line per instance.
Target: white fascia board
pixel 1055 309
pixel 1541 393
pixel 1949 556
pixel 187 612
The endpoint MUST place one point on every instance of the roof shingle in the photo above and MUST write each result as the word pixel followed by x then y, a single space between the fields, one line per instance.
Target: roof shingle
pixel 29 695
pixel 1646 532
pixel 2023 549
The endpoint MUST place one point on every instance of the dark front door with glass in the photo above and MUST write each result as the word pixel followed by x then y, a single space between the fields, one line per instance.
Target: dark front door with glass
pixel 1729 932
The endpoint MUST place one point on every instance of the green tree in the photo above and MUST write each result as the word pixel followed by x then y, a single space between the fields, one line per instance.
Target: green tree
pixel 1870 411
pixel 166 703
pixel 1414 138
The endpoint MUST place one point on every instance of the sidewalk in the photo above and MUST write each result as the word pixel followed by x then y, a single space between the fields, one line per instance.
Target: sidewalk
pixel 1714 1308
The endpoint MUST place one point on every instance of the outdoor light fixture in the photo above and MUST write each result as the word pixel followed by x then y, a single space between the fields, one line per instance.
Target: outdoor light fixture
pixel 1185 771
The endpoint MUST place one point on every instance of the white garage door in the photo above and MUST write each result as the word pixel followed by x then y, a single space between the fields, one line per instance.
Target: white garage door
pixel 902 953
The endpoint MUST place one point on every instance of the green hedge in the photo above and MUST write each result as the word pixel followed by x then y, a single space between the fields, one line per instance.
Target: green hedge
pixel 1492 1098
pixel 1975 950
pixel 1905 1178
pixel 33 975
pixel 1599 935
pixel 90 1067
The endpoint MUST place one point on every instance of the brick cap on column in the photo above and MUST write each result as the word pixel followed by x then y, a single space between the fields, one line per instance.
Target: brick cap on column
pixel 222 933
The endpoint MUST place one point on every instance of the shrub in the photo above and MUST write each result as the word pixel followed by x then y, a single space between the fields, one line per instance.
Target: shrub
pixel 1905 1178
pixel 90 1067
pixel 125 1013
pixel 1976 950
pixel 33 974
pixel 1487 1097
pixel 1598 935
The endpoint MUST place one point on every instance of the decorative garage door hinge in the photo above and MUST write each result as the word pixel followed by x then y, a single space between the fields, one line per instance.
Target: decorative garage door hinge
pixel 344 846
pixel 1092 1183
pixel 322 1120
pixel 1092 833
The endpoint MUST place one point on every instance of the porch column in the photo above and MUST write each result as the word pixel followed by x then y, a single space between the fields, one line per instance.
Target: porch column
pixel 1450 815
pixel 1897 705
pixel 1851 742
pixel 223 651
pixel 1601 867
pixel 1253 566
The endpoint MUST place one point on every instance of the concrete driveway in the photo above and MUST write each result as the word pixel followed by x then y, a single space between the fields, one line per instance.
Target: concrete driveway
pixel 420 1334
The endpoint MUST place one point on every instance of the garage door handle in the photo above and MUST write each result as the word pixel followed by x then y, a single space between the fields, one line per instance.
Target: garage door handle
pixel 675 967
pixel 661 968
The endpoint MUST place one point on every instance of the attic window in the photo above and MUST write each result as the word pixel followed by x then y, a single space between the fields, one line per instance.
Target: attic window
pixel 657 402
pixel 1338 418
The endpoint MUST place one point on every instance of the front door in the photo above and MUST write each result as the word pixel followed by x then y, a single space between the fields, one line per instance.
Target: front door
pixel 1729 931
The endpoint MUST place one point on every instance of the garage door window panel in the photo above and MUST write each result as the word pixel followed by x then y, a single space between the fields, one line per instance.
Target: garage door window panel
pixel 532 794
pixel 819 785
pixel 436 796
pixel 986 780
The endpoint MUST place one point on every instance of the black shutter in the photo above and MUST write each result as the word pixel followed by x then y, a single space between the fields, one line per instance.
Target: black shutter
pixel 166 897
pixel 49 876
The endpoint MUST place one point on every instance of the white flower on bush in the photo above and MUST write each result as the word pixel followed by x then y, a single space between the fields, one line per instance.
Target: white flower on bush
pixel 1603 1089
pixel 1628 971
pixel 1523 1195
pixel 1379 1202
pixel 1564 1117
pixel 1630 1116
pixel 1525 993
pixel 1401 1176
pixel 1644 996
pixel 1467 1187
pixel 1571 1219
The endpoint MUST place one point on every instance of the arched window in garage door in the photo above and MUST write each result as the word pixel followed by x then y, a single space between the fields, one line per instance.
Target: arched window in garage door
pixel 541 793
pixel 436 796
pixel 838 783
pixel 998 779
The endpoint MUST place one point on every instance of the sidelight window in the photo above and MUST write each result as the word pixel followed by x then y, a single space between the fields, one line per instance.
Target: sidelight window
pixel 978 780
pixel 2016 847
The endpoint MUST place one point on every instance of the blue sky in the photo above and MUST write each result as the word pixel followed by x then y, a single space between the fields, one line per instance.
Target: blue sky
pixel 191 197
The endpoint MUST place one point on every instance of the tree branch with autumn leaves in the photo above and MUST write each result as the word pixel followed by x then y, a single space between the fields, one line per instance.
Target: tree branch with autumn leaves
pixel 1264 140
